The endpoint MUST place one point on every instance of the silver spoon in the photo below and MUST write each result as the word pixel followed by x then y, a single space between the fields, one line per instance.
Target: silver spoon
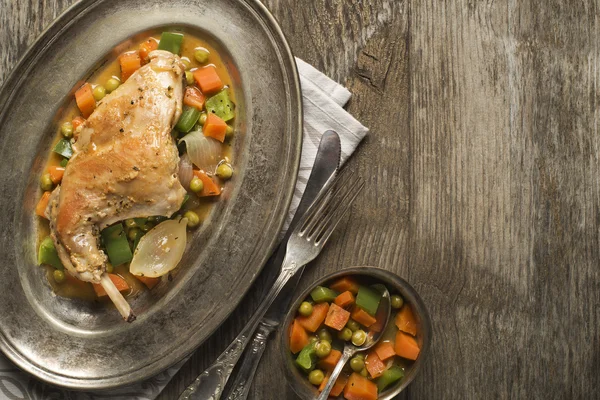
pixel 350 349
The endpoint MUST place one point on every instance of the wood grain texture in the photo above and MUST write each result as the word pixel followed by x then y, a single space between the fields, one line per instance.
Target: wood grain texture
pixel 482 181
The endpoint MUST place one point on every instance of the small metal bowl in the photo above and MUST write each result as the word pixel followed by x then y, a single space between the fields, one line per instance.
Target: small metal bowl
pixel 395 284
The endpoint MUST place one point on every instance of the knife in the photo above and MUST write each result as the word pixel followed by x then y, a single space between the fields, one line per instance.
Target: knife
pixel 210 384
pixel 323 172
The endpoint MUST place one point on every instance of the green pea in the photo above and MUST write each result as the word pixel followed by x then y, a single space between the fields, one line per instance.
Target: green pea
pixel 189 78
pixel 305 309
pixel 196 185
pixel 229 132
pixel 316 377
pixel 46 182
pixel 324 334
pixel 345 334
pixel 130 223
pixel 224 171
pixel 202 119
pixel 313 339
pixel 134 233
pixel 186 62
pixel 59 276
pixel 396 301
pixel 99 92
pixel 111 85
pixel 193 219
pixel 66 130
pixel 323 348
pixel 359 355
pixel 364 372
pixel 201 55
pixel 109 268
pixel 357 364
pixel 352 325
pixel 359 337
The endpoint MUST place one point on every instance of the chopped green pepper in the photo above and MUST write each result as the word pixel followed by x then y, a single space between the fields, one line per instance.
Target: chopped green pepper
pixel 117 246
pixel 170 41
pixel 368 299
pixel 63 147
pixel 63 162
pixel 388 377
pixel 188 118
pixel 307 359
pixel 47 254
pixel 322 294
pixel 221 105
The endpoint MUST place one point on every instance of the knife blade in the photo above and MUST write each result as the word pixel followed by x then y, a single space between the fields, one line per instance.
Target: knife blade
pixel 326 165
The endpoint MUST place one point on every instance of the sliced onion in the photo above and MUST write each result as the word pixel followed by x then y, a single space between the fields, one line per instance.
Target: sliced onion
pixel 160 250
pixel 205 152
pixel 186 171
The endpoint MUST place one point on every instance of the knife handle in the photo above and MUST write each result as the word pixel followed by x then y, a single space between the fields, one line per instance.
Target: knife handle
pixel 240 387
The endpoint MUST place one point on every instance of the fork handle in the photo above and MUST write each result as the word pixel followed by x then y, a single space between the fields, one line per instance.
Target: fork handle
pixel 240 387
pixel 210 383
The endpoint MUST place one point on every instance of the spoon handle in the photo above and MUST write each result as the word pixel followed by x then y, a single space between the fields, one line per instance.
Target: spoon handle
pixel 209 384
pixel 348 352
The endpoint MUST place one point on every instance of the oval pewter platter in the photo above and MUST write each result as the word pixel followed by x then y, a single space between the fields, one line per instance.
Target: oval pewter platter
pixel 83 345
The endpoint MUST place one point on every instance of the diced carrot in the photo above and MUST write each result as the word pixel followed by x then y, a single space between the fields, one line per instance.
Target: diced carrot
pixel 345 299
pixel 338 387
pixel 298 337
pixel 117 280
pixel 406 346
pixel 314 320
pixel 210 187
pixel 208 79
pixel 385 350
pixel 337 317
pixel 328 363
pixel 374 364
pixel 77 122
pixel 215 127
pixel 129 62
pixel 40 209
pixel 360 388
pixel 405 320
pixel 345 284
pixel 85 100
pixel 56 173
pixel 362 317
pixel 149 282
pixel 380 319
pixel 145 49
pixel 193 97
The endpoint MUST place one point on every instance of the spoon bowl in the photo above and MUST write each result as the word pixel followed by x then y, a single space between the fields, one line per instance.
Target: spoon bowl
pixel 350 349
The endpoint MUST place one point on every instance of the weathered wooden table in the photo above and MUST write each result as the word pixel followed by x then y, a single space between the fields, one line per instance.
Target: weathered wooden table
pixel 482 181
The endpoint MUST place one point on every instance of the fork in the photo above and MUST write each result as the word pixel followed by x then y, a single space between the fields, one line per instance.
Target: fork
pixel 303 246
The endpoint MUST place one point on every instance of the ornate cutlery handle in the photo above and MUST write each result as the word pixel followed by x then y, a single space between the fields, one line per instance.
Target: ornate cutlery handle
pixel 209 384
pixel 243 379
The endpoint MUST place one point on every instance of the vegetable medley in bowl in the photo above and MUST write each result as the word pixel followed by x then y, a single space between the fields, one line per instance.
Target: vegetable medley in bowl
pixel 142 154
pixel 344 307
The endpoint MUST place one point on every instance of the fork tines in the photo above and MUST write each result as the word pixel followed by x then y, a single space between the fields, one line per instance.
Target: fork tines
pixel 330 206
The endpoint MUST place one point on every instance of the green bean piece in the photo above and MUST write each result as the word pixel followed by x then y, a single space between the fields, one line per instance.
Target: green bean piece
pixel 63 147
pixel 170 41
pixel 116 244
pixel 48 255
pixel 188 119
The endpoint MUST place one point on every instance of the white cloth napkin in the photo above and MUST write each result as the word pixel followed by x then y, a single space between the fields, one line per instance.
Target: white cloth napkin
pixel 323 100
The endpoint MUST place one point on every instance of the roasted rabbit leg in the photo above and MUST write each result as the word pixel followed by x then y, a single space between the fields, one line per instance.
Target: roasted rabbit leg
pixel 124 165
